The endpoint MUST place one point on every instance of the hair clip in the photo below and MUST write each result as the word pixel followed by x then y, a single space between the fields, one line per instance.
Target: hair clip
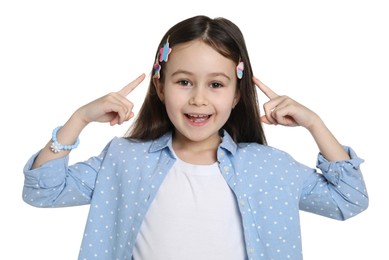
pixel 156 69
pixel 163 54
pixel 165 51
pixel 239 70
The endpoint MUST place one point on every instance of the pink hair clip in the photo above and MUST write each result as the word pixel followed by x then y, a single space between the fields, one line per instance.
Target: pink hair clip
pixel 239 70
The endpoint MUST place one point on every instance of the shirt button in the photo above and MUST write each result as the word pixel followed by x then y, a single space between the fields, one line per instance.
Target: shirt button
pixel 242 203
pixel 226 168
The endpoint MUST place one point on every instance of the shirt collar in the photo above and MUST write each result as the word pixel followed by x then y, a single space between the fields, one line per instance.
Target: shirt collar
pixel 165 141
pixel 227 142
pixel 162 142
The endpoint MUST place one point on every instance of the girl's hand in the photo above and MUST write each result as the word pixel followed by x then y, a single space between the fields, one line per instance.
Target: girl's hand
pixel 284 110
pixel 114 107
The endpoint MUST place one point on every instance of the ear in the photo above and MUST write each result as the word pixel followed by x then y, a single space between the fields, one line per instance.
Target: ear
pixel 159 89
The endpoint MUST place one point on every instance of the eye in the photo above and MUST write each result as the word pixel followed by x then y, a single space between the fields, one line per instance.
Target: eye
pixel 216 85
pixel 184 82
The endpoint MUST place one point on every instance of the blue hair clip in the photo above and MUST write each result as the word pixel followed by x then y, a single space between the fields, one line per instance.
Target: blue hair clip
pixel 164 52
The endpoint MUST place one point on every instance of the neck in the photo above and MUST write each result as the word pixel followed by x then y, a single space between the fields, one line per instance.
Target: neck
pixel 196 152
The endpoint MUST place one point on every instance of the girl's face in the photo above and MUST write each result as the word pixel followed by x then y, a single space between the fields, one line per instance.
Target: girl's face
pixel 199 91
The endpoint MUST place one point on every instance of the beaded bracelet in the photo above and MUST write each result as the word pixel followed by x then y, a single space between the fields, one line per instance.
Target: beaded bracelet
pixel 56 147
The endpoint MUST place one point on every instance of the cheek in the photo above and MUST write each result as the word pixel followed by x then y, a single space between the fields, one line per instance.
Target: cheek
pixel 173 104
pixel 224 108
pixel 227 102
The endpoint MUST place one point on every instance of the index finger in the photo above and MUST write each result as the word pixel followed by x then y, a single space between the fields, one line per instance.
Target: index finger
pixel 265 89
pixel 132 85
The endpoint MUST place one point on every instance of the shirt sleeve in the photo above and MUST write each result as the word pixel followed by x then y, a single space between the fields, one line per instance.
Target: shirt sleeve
pixel 56 184
pixel 339 192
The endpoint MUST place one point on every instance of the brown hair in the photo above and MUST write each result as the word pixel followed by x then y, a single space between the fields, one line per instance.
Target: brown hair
pixel 225 37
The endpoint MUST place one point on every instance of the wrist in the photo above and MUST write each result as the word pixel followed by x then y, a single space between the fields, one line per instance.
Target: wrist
pixel 56 146
pixel 316 125
pixel 79 118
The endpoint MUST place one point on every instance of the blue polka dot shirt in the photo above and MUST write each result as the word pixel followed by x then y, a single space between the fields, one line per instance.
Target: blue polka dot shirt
pixel 269 185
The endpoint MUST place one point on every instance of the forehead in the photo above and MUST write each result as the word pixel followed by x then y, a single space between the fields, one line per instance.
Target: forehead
pixel 197 56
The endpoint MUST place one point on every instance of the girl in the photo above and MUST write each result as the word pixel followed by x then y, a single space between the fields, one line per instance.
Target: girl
pixel 193 178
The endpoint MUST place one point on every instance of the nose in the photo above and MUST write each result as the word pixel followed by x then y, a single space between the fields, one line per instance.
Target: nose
pixel 198 97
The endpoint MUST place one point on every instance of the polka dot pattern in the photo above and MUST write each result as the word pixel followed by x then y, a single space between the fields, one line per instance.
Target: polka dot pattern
pixel 269 185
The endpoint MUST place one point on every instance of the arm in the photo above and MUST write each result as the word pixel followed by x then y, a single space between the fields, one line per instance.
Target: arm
pixel 329 147
pixel 114 108
pixel 285 111
pixel 339 192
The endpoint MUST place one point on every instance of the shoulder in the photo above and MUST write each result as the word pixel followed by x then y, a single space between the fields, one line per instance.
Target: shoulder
pixel 156 146
pixel 260 149
pixel 248 150
pixel 263 153
pixel 121 145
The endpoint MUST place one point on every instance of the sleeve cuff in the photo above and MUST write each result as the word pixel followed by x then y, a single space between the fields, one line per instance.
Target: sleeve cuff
pixel 49 174
pixel 333 171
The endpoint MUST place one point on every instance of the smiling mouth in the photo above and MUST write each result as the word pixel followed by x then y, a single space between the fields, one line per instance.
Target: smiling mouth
pixel 197 118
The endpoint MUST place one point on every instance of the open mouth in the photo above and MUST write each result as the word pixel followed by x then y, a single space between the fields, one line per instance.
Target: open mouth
pixel 197 118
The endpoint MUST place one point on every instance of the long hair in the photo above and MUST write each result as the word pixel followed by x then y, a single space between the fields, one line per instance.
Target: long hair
pixel 225 37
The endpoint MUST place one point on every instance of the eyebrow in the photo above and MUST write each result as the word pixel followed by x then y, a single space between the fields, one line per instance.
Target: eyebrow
pixel 214 74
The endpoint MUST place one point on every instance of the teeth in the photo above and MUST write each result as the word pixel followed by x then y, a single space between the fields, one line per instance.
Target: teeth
pixel 197 116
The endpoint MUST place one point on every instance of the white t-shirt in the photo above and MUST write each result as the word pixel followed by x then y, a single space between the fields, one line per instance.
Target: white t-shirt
pixel 194 216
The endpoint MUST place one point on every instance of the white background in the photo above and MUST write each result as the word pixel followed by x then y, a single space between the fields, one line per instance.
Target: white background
pixel 55 56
